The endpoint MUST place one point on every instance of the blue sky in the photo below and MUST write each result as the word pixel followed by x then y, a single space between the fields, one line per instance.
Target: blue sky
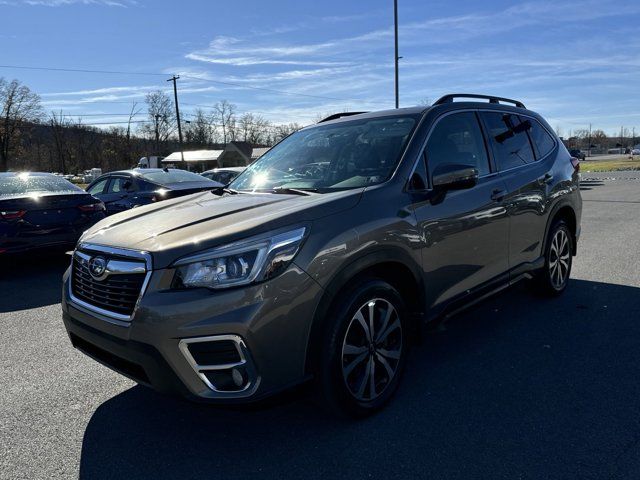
pixel 575 62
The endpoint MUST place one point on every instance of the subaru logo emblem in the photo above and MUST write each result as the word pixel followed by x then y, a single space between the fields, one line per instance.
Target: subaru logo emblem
pixel 97 267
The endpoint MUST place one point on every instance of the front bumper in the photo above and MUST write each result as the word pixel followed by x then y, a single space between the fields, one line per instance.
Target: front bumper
pixel 272 321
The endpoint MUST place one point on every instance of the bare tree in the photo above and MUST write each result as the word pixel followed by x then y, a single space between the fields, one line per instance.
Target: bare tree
pixel 224 114
pixel 559 131
pixel 60 128
pixel 162 116
pixel 18 107
pixel 199 129
pixel 598 136
pixel 284 130
pixel 253 129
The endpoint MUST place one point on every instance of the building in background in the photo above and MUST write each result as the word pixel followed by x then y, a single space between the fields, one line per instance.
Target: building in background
pixel 235 154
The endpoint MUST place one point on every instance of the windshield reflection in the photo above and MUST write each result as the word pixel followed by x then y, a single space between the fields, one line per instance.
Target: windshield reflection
pixel 351 154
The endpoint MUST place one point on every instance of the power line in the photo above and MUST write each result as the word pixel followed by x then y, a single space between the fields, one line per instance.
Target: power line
pixel 80 70
pixel 220 82
pixel 97 114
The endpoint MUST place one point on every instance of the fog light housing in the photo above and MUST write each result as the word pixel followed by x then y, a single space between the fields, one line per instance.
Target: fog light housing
pixel 223 363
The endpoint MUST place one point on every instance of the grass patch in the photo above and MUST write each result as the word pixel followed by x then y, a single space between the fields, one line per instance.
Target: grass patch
pixel 610 165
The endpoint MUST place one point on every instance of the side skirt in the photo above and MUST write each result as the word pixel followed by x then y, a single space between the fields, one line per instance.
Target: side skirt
pixel 466 300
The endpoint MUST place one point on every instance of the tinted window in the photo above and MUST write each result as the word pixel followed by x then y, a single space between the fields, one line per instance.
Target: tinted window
pixel 25 183
pixel 98 187
pixel 542 140
pixel 457 139
pixel 120 184
pixel 145 186
pixel 172 176
pixel 509 140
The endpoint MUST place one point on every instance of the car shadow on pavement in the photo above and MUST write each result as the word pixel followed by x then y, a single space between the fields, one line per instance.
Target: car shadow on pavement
pixel 31 280
pixel 518 386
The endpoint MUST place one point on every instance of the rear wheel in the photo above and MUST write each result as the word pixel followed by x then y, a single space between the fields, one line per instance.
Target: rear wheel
pixel 364 349
pixel 554 277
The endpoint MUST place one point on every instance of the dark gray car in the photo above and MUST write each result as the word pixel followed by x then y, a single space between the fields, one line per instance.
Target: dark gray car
pixel 324 258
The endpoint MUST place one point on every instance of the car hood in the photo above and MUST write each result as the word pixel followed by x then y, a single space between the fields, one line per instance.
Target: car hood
pixel 173 228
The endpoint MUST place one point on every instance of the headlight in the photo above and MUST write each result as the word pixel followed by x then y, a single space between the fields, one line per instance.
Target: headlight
pixel 240 263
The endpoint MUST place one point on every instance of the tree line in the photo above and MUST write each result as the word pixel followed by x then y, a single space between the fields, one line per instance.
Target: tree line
pixel 597 141
pixel 32 139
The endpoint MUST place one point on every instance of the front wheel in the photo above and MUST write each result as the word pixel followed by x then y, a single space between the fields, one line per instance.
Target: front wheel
pixel 364 349
pixel 554 277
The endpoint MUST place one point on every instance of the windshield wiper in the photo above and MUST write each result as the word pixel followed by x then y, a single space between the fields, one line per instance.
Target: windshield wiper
pixel 224 189
pixel 295 191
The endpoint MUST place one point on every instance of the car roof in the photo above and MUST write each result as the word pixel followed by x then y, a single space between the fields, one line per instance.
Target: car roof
pixel 421 110
pixel 226 169
pixel 142 171
pixel 418 110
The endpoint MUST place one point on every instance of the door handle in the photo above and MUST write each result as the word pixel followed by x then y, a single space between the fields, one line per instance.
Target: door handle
pixel 546 179
pixel 497 194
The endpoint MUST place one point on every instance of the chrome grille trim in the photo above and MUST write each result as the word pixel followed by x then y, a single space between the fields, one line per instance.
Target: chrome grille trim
pixel 141 263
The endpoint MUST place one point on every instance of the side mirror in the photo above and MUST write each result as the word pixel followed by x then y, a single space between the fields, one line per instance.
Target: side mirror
pixel 454 177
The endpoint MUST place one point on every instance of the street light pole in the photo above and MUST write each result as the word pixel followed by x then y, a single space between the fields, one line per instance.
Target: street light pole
pixel 396 57
pixel 175 95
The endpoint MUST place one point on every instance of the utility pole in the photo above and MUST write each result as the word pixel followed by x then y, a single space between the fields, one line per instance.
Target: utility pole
pixel 157 117
pixel 589 146
pixel 621 145
pixel 175 95
pixel 396 57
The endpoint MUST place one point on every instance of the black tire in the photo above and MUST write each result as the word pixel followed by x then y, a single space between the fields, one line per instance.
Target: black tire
pixel 553 279
pixel 344 332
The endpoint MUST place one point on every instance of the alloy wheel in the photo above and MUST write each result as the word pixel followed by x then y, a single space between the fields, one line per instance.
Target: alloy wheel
pixel 372 349
pixel 559 259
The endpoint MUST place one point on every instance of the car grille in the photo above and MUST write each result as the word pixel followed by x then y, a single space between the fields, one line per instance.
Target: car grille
pixel 115 293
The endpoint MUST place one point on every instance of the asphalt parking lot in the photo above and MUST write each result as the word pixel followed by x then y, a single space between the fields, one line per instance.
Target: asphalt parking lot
pixel 517 387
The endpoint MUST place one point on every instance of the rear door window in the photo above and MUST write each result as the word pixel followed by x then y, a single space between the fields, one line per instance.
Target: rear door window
pixel 98 188
pixel 119 185
pixel 508 139
pixel 457 139
pixel 542 140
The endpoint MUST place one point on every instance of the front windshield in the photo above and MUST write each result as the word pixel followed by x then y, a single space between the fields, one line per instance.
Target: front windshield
pixel 349 154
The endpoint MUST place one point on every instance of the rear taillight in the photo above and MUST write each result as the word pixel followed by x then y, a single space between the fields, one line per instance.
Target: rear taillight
pixel 576 163
pixel 12 215
pixel 92 207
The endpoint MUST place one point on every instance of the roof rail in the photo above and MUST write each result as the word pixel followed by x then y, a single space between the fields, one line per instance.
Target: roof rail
pixel 339 115
pixel 449 99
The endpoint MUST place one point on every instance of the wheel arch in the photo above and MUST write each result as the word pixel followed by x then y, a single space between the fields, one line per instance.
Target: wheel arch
pixel 392 265
pixel 562 211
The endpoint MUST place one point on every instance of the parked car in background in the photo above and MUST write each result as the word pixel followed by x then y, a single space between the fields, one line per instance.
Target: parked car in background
pixel 635 151
pixel 577 154
pixel 43 210
pixel 126 189
pixel 223 175
pixel 91 174
pixel 327 269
